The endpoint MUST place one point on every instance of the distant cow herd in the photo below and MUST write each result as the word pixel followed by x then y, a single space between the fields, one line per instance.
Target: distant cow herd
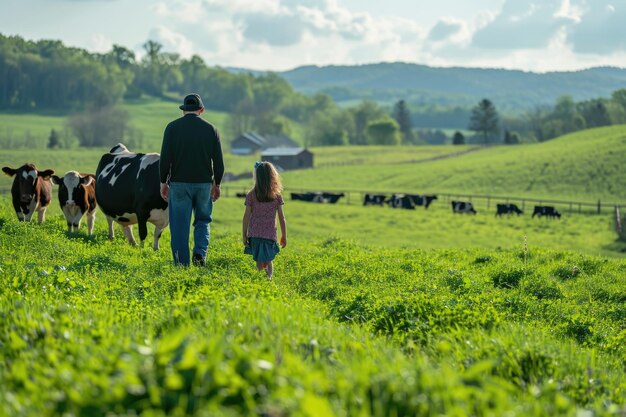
pixel 411 201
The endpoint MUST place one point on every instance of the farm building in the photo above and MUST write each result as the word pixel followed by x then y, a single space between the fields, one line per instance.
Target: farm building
pixel 288 158
pixel 251 142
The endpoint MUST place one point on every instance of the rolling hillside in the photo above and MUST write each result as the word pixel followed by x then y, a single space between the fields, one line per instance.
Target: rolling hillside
pixel 509 89
pixel 584 166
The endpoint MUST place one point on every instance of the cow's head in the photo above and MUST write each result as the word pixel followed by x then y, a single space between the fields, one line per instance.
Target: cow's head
pixel 70 184
pixel 27 177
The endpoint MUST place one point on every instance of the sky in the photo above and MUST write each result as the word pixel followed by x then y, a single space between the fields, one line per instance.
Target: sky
pixel 278 35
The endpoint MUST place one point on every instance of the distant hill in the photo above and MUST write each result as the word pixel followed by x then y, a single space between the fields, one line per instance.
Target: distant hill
pixel 421 84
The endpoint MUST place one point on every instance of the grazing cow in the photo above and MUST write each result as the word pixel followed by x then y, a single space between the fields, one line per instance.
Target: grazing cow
pixel 463 207
pixel 31 191
pixel 128 192
pixel 508 208
pixel 308 196
pixel 422 200
pixel 401 201
pixel 374 199
pixel 317 197
pixel 548 211
pixel 331 198
pixel 77 197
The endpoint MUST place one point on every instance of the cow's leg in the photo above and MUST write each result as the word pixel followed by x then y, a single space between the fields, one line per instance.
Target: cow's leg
pixel 157 235
pixel 91 220
pixel 160 220
pixel 76 221
pixel 128 232
pixel 142 225
pixel 41 215
pixel 32 207
pixel 111 232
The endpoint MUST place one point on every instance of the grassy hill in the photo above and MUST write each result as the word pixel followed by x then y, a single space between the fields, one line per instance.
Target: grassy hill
pixel 92 327
pixel 149 116
pixel 584 166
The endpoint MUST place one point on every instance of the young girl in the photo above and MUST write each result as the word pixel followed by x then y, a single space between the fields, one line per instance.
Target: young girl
pixel 263 202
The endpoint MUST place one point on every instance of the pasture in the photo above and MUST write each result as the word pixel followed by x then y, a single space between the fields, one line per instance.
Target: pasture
pixel 373 311
pixel 92 327
pixel 583 166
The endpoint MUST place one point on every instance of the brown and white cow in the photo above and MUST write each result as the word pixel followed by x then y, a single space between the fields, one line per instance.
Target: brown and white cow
pixel 77 197
pixel 128 192
pixel 31 191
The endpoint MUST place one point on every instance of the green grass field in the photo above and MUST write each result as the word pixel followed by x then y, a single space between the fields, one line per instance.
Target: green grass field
pixel 91 327
pixel 372 311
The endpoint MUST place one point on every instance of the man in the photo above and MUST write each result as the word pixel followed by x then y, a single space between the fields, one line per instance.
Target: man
pixel 191 169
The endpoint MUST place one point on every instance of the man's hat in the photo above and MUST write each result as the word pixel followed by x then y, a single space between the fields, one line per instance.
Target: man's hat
pixel 192 102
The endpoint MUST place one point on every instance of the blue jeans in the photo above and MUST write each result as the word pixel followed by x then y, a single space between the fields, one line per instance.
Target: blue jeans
pixel 185 198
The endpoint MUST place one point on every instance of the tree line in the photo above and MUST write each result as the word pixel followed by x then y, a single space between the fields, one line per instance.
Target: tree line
pixel 45 75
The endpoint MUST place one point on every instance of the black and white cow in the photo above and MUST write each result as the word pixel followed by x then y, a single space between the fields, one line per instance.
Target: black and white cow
pixel 463 207
pixel 507 208
pixel 422 200
pixel 77 197
pixel 331 198
pixel 31 191
pixel 374 199
pixel 307 196
pixel 548 211
pixel 128 192
pixel 317 197
pixel 401 201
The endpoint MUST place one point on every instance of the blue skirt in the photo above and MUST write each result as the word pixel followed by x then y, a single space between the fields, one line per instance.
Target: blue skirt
pixel 262 250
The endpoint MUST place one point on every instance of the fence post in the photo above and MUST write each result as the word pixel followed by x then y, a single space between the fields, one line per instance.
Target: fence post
pixel 599 206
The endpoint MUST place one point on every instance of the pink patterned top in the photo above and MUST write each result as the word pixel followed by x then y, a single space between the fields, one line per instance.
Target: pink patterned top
pixel 263 217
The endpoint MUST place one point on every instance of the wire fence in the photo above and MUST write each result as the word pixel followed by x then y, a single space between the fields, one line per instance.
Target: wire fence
pixel 479 201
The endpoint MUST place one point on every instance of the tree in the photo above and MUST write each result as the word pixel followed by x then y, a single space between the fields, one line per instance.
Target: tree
pixel 100 127
pixel 402 115
pixel 458 138
pixel 511 138
pixel 53 139
pixel 384 131
pixel 324 130
pixel 484 120
pixel 363 114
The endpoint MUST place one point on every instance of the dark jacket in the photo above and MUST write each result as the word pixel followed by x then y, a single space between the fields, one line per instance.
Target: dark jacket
pixel 191 151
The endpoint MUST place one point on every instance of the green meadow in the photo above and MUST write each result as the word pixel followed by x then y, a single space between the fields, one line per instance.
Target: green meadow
pixel 373 311
pixel 92 327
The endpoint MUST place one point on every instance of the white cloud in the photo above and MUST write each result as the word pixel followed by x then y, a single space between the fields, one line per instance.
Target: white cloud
pixel 282 34
pixel 172 41
pixel 100 43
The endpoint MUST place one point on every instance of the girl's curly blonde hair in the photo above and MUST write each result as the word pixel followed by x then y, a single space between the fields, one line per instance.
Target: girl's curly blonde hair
pixel 268 185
